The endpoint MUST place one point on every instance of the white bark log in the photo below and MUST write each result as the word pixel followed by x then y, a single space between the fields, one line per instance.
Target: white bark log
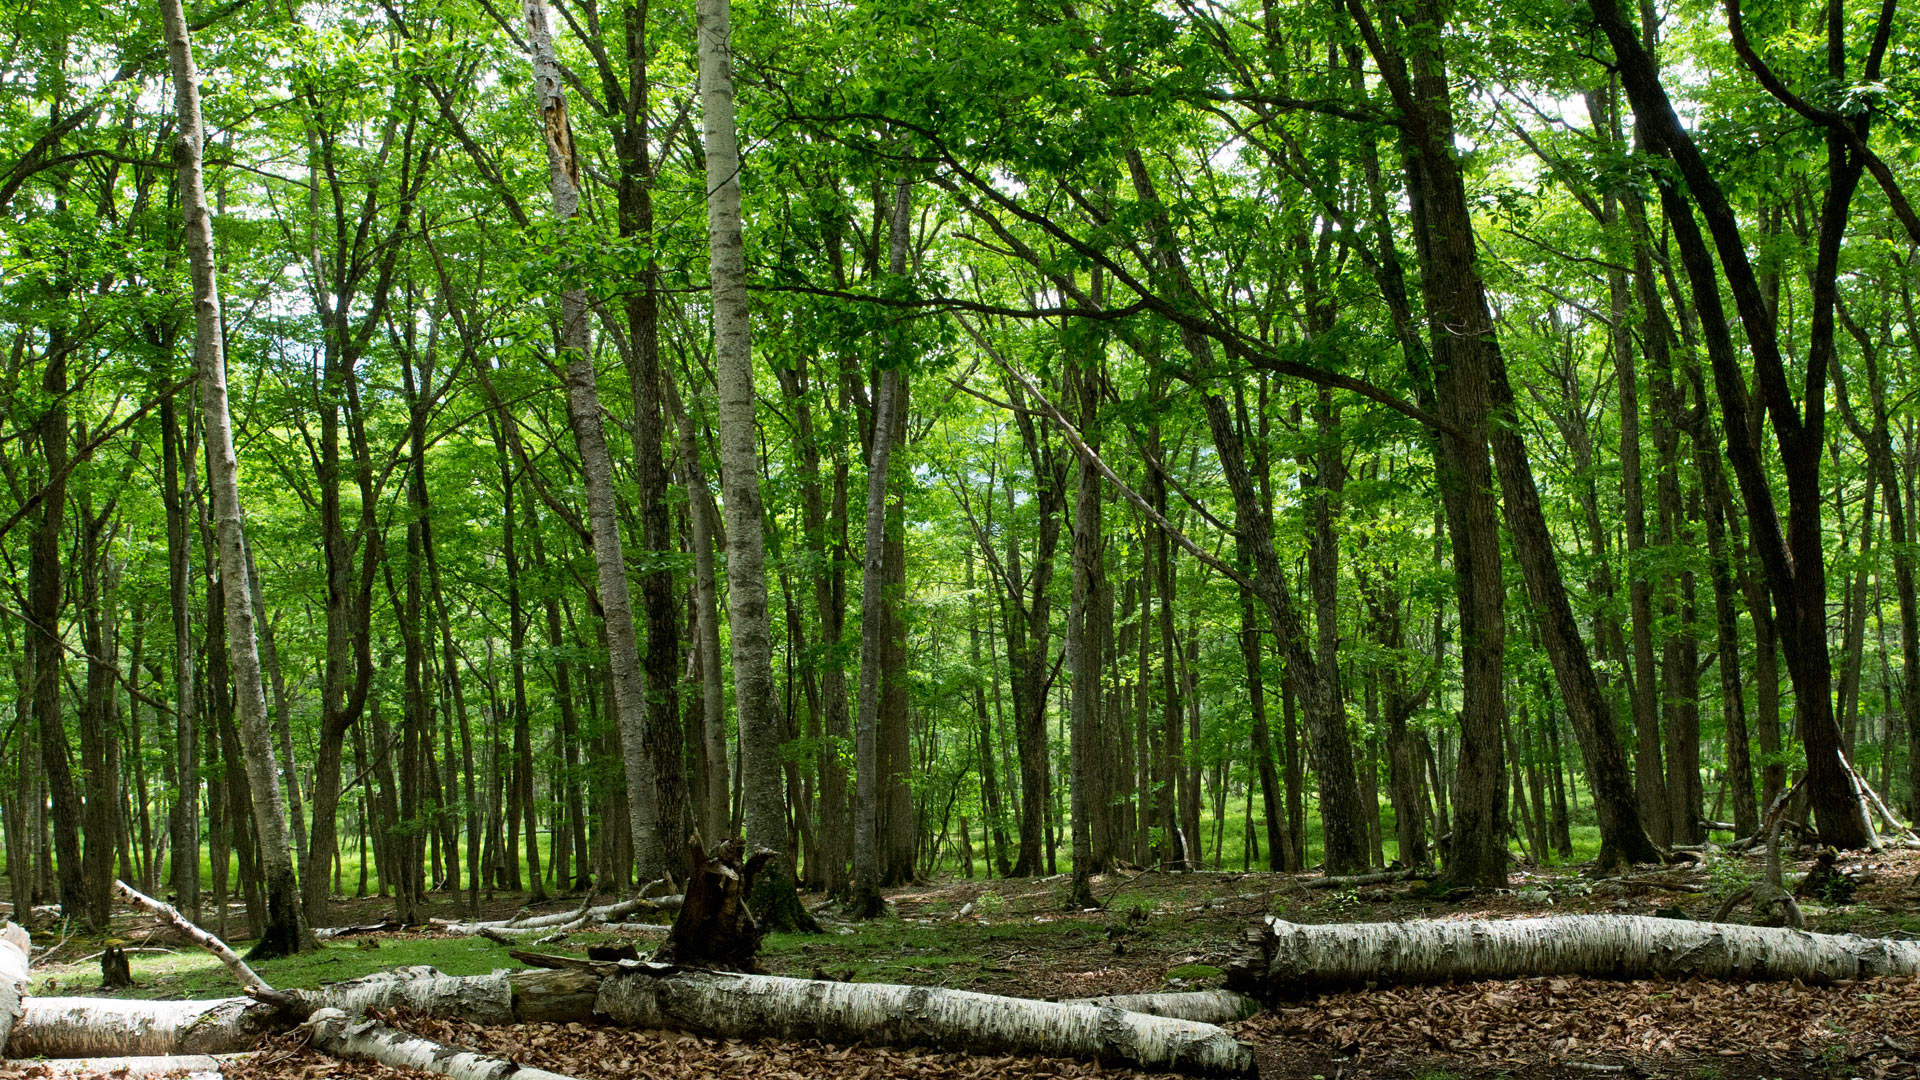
pixel 1199 1006
pixel 245 975
pixel 331 1031
pixel 13 976
pixel 1288 958
pixel 73 1027
pixel 758 1006
pixel 192 1066
pixel 481 999
pixel 55 1027
pixel 568 920
pixel 1352 881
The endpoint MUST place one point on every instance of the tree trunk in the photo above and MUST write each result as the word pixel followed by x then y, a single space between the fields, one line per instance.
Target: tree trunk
pixel 763 801
pixel 184 822
pixel 865 900
pixel 285 931
pixel 763 1006
pixel 596 467
pixel 1083 644
pixel 330 1031
pixel 702 517
pixel 1282 959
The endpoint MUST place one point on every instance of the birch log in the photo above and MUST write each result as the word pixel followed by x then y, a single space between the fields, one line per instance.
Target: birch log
pixel 76 1027
pixel 1282 958
pixel 570 920
pixel 330 1031
pixel 504 997
pixel 764 1006
pixel 244 975
pixel 70 1027
pixel 193 1066
pixel 1199 1006
pixel 13 976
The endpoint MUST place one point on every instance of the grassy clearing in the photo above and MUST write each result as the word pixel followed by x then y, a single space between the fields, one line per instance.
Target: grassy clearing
pixel 190 973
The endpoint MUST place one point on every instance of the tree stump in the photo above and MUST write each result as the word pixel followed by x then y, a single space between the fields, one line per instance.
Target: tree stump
pixel 115 973
pixel 715 930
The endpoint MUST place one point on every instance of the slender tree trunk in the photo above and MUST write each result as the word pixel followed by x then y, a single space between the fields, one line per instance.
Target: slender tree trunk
pixel 285 931
pixel 596 467
pixel 866 901
pixel 702 516
pixel 184 822
pixel 759 733
pixel 1083 642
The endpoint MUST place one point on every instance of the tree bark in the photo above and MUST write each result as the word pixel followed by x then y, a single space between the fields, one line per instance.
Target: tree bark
pixel 596 467
pixel 865 900
pixel 1282 959
pixel 331 1031
pixel 285 931
pixel 763 801
pixel 763 1006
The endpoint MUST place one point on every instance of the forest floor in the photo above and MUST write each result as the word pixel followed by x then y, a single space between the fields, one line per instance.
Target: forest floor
pixel 1175 931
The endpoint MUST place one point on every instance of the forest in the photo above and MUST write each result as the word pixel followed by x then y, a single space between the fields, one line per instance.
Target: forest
pixel 461 458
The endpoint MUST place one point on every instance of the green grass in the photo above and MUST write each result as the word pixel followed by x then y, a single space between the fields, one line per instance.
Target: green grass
pixel 192 973
pixel 898 950
pixel 1195 972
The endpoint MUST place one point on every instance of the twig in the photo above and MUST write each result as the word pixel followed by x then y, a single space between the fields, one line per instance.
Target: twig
pixel 1120 888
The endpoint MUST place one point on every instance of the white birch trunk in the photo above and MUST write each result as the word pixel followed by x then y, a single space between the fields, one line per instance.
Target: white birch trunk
pixel 637 995
pixel 331 1031
pixel 765 1006
pixel 570 920
pixel 481 999
pixel 70 1027
pixel 241 973
pixel 286 925
pixel 1199 1006
pixel 1287 958
pixel 192 1066
pixel 13 977
pixel 596 462
pixel 763 801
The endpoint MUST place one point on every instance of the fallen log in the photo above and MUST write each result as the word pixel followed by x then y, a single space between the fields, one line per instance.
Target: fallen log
pixel 1282 959
pixel 77 1027
pixel 504 997
pixel 569 920
pixel 736 1006
pixel 193 1065
pixel 1354 881
pixel 14 944
pixel 1199 1006
pixel 235 966
pixel 649 995
pixel 329 933
pixel 330 1031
